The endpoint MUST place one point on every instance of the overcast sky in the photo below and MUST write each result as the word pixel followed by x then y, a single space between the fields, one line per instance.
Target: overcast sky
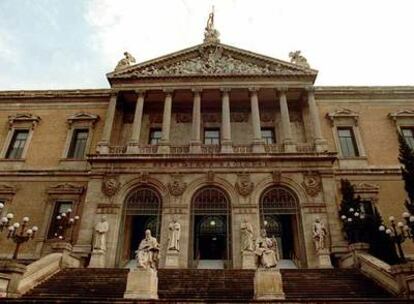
pixel 52 44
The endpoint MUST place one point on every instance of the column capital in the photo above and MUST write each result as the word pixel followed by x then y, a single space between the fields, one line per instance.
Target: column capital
pixel 310 89
pixel 225 90
pixel 282 90
pixel 140 92
pixel 197 90
pixel 168 91
pixel 114 93
pixel 253 91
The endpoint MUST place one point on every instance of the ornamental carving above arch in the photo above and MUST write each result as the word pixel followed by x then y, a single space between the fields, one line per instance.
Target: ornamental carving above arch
pixel 176 186
pixel 312 183
pixel 110 185
pixel 244 185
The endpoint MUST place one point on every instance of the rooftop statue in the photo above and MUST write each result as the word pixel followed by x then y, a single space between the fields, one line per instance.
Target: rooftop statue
pixel 125 62
pixel 297 58
pixel 211 35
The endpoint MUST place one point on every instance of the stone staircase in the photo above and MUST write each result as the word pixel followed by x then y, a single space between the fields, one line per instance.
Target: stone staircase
pixel 74 285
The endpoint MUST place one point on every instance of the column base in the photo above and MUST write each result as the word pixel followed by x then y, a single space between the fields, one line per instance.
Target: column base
pixel 102 147
pixel 163 148
pixel 172 259
pixel 289 146
pixel 195 147
pixel 321 145
pixel 258 146
pixel 268 285
pixel 226 147
pixel 248 260
pixel 324 259
pixel 97 259
pixel 132 148
pixel 142 284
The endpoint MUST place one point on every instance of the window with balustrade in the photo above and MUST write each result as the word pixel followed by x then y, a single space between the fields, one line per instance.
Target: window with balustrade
pixel 211 136
pixel 155 136
pixel 268 136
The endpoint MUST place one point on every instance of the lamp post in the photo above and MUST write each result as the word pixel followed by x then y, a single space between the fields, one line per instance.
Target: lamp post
pixel 64 222
pixel 399 232
pixel 354 221
pixel 19 233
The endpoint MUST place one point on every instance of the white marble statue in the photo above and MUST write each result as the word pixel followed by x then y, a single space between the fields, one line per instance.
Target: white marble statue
pixel 319 234
pixel 266 250
pixel 147 254
pixel 246 233
pixel 99 237
pixel 174 232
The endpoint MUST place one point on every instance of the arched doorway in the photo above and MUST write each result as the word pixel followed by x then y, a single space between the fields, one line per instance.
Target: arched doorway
pixel 211 239
pixel 279 215
pixel 142 210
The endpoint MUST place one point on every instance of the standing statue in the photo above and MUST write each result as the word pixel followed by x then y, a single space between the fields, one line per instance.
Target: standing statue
pixel 267 250
pixel 319 234
pixel 125 62
pixel 174 231
pixel 99 237
pixel 246 232
pixel 211 35
pixel 297 58
pixel 147 254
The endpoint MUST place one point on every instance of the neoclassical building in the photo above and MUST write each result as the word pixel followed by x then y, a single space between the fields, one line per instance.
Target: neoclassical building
pixel 210 135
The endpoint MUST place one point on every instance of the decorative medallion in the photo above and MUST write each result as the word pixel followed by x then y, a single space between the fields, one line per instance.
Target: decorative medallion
pixel 176 186
pixel 155 118
pixel 244 185
pixel 183 117
pixel 312 183
pixel 267 117
pixel 210 117
pixel 110 186
pixel 239 117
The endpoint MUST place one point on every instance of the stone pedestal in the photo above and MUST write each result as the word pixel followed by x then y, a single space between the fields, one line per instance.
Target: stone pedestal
pixel 226 147
pixel 163 148
pixel 268 285
pixel 142 284
pixel 356 249
pixel 68 258
pixel 97 259
pixel 258 147
pixel 11 274
pixel 289 146
pixel 324 259
pixel 404 274
pixel 248 260
pixel 102 148
pixel 195 147
pixel 172 259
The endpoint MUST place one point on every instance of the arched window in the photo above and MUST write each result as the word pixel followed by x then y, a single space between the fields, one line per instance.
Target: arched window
pixel 143 201
pixel 210 200
pixel 278 200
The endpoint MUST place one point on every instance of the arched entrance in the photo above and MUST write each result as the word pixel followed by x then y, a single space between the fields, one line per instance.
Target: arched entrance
pixel 142 210
pixel 279 215
pixel 211 233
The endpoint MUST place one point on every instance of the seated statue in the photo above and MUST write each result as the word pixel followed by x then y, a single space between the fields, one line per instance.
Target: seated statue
pixel 147 254
pixel 266 251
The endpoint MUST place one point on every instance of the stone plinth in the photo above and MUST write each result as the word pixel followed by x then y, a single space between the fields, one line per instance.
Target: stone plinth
pixel 68 258
pixel 97 259
pixel 11 273
pixel 404 274
pixel 142 284
pixel 268 285
pixel 248 260
pixel 172 259
pixel 324 259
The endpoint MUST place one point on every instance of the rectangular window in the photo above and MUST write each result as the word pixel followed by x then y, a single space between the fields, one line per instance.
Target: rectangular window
pixel 408 134
pixel 155 136
pixel 16 147
pixel 211 136
pixel 366 208
pixel 347 142
pixel 268 135
pixel 78 143
pixel 60 207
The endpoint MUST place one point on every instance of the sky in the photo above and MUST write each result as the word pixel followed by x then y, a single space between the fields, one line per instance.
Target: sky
pixel 72 44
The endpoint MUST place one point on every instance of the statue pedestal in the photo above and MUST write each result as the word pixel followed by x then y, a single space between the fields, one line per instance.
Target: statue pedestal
pixel 324 259
pixel 11 274
pixel 97 259
pixel 268 285
pixel 172 259
pixel 248 260
pixel 142 284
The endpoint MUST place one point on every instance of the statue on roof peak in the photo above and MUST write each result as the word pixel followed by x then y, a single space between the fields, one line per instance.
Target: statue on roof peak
pixel 297 58
pixel 125 62
pixel 211 35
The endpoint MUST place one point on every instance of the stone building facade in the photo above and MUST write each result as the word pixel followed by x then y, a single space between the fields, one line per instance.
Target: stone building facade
pixel 210 135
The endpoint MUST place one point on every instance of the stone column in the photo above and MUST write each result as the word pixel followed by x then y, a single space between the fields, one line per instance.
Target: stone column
pixel 226 143
pixel 195 145
pixel 258 144
pixel 103 145
pixel 288 143
pixel 164 146
pixel 133 143
pixel 319 141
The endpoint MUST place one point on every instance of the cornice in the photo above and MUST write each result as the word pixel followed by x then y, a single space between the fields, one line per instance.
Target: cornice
pixel 368 92
pixel 24 94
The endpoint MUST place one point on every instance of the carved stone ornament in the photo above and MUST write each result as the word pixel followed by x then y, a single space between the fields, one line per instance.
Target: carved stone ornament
pixel 125 62
pixel 7 189
pixel 155 118
pixel 239 117
pixel 110 186
pixel 343 113
pixel 267 117
pixel 366 188
pixel 276 176
pixel 312 183
pixel 143 177
pixel 176 186
pixel 244 185
pixel 183 117
pixel 210 117
pixel 66 188
pixel 401 114
pixel 210 176
pixel 297 58
pixel 84 117
pixel 23 118
pixel 211 35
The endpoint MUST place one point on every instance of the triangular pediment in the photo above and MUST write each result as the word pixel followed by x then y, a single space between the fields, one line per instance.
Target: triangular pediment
pixel 212 60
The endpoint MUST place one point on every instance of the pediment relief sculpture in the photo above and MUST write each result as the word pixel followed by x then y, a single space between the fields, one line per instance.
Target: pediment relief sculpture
pixel 176 186
pixel 401 114
pixel 244 185
pixel 312 183
pixel 110 186
pixel 66 188
pixel 83 117
pixel 23 118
